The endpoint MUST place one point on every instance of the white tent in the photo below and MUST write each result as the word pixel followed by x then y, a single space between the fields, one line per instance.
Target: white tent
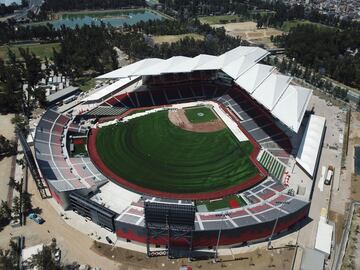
pixel 107 90
pixel 308 152
pixel 324 237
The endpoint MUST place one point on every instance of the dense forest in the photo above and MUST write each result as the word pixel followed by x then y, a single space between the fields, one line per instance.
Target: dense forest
pixel 135 43
pixel 89 48
pixel 254 10
pixel 16 73
pixel 12 33
pixel 327 50
pixel 56 5
pixel 5 10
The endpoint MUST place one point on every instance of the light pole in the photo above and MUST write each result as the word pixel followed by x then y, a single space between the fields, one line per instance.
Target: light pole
pixel 223 214
pixel 272 233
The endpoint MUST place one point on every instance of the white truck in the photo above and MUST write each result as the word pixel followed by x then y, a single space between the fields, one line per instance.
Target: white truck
pixel 329 175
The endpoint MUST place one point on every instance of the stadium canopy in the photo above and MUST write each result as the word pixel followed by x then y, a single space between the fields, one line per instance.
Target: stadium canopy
pixel 109 89
pixel 252 78
pixel 286 102
pixel 309 149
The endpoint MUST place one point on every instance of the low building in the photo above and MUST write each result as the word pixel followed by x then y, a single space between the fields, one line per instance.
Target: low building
pixel 61 95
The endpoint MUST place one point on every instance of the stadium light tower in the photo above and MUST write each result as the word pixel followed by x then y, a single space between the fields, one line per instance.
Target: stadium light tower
pixel 272 233
pixel 223 215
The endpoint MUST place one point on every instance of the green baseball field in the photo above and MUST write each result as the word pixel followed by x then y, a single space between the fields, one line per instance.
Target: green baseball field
pixel 153 153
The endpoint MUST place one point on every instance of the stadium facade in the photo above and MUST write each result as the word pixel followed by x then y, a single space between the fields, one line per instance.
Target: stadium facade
pixel 262 102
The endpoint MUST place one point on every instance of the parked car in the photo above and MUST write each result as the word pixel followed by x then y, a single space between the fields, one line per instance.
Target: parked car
pixel 329 175
pixel 109 240
pixel 36 218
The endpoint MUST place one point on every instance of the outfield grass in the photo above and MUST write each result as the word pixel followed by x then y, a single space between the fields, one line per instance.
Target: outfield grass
pixel 200 114
pixel 223 203
pixel 286 27
pixel 40 50
pixel 151 152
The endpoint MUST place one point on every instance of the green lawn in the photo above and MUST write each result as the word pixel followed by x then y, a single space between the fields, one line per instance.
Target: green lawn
pixel 40 50
pixel 200 114
pixel 291 24
pixel 152 152
pixel 223 203
pixel 219 19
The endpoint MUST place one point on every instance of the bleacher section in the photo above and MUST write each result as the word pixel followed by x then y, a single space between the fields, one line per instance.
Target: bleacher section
pixel 106 111
pixel 258 122
pixel 274 167
pixel 62 173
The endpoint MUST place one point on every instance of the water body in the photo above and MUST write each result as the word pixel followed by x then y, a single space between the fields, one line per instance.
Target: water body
pixel 115 18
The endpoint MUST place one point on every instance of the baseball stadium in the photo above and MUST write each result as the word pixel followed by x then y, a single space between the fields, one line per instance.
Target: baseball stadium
pixel 185 153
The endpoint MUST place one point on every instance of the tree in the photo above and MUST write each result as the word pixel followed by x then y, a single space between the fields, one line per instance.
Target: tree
pixel 20 122
pixel 16 208
pixel 5 213
pixel 14 253
pixel 44 260
pixel 7 147
pixel 31 74
pixel 10 86
pixel 13 184
pixel 26 202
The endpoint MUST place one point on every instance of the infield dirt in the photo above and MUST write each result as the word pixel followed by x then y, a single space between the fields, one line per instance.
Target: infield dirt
pixel 179 119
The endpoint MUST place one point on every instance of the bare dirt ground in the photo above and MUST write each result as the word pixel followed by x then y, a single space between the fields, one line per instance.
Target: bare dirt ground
pixel 249 32
pixel 354 140
pixel 75 245
pixel 175 38
pixel 352 258
pixel 280 259
pixel 7 130
pixel 179 119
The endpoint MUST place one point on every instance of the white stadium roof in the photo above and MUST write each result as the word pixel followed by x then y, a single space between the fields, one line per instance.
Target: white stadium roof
pixel 252 78
pixel 286 102
pixel 105 91
pixel 269 92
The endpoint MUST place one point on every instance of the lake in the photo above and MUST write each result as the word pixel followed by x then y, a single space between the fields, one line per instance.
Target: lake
pixel 115 18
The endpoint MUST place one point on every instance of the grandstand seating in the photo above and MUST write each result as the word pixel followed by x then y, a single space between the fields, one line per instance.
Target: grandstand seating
pixel 254 118
pixel 63 173
pixel 271 203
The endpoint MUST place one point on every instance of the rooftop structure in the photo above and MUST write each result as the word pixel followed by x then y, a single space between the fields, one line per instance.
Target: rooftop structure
pixel 274 91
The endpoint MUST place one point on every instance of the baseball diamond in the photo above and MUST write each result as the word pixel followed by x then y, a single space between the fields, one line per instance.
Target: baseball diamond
pixel 151 152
